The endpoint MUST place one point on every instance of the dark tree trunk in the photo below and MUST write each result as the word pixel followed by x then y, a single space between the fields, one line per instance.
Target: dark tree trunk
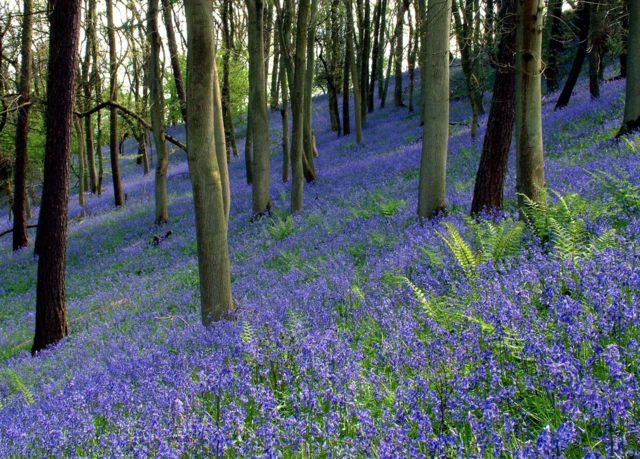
pixel 227 114
pixel 597 46
pixel 346 122
pixel 625 37
pixel 51 320
pixel 175 61
pixel 366 51
pixel 555 44
pixel 88 84
pixel 113 142
pixel 489 186
pixel 397 95
pixel 20 237
pixel 377 14
pixel 584 19
pixel 382 47
pixel 387 78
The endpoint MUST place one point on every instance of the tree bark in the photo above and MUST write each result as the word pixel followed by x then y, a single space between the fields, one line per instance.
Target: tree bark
pixel 81 160
pixel 309 167
pixel 221 147
pixel 175 58
pixel 399 43
pixel 227 113
pixel 88 86
pixel 433 165
pixel 354 73
pixel 51 319
pixel 20 236
pixel 204 167
pixel 377 15
pixel 284 112
pixel 157 114
pixel 584 15
pixel 595 55
pixel 632 101
pixel 297 148
pixel 346 121
pixel 258 108
pixel 530 178
pixel 364 68
pixel 555 43
pixel 113 91
pixel 489 186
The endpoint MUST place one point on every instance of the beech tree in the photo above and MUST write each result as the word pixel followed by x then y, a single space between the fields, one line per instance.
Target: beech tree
pixel 204 166
pixel 632 102
pixel 435 141
pixel 64 38
pixel 529 148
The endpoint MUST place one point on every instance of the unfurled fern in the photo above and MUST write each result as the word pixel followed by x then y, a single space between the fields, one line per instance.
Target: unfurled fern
pixel 248 333
pixel 464 254
pixel 17 386
pixel 625 196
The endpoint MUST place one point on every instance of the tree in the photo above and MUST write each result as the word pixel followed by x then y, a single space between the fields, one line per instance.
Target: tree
pixel 64 38
pixel 554 16
pixel 204 167
pixel 529 148
pixel 175 58
pixel 297 143
pixel 88 84
pixel 309 166
pixel 259 117
pixel 433 165
pixel 632 101
pixel 20 237
pixel 354 72
pixel 157 114
pixel 227 114
pixel 489 186
pixel 113 91
pixel 402 7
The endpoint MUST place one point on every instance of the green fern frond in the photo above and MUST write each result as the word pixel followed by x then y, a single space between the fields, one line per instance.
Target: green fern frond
pixel 248 333
pixel 17 386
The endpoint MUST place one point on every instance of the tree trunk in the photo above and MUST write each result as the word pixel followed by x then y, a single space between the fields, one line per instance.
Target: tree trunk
pixel 364 68
pixel 273 98
pixel 258 108
pixel 433 166
pixel 88 84
pixel 81 160
pixel 227 114
pixel 377 14
pixel 632 101
pixel 309 167
pixel 529 147
pixel 204 167
pixel 381 54
pixel 20 237
pixel 297 148
pixel 422 21
pixel 64 38
pixel 584 15
pixel 157 114
pixel 625 38
pixel 595 56
pixel 399 43
pixel 387 78
pixel 113 91
pixel 354 74
pixel 248 147
pixel 555 43
pixel 346 122
pixel 284 112
pixel 221 147
pixel 175 58
pixel 489 186
pixel 413 54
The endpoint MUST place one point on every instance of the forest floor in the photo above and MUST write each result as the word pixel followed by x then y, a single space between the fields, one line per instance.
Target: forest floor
pixel 360 333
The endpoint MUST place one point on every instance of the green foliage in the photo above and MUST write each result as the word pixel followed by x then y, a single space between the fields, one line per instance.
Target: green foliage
pixel 280 228
pixel 248 333
pixel 558 223
pixel 379 204
pixel 624 203
pixel 17 385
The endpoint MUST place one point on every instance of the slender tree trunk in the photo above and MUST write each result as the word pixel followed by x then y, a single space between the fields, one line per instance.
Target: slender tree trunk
pixel 377 14
pixel 433 166
pixel 204 167
pixel 273 99
pixel 258 108
pixel 51 318
pixel 632 101
pixel 595 55
pixel 248 147
pixel 364 69
pixel 157 114
pixel 383 46
pixel 422 20
pixel 221 147
pixel 309 167
pixel 284 112
pixel 399 42
pixel 413 54
pixel 346 122
pixel 584 15
pixel 529 147
pixel 354 74
pixel 387 78
pixel 227 114
pixel 113 74
pixel 20 236
pixel 297 148
pixel 489 186
pixel 88 84
pixel 625 38
pixel 81 159
pixel 555 43
pixel 175 58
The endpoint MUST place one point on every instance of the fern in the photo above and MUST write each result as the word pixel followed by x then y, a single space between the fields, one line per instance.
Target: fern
pixel 17 386
pixel 248 334
pixel 281 228
pixel 461 250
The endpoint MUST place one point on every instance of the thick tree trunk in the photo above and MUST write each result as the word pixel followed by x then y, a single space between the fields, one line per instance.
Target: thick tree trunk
pixel 584 19
pixel 354 74
pixel 258 108
pixel 64 38
pixel 20 236
pixel 632 101
pixel 433 166
pixel 399 43
pixel 529 147
pixel 554 16
pixel 297 147
pixel 113 91
pixel 309 167
pixel 489 186
pixel 157 114
pixel 204 167
pixel 175 58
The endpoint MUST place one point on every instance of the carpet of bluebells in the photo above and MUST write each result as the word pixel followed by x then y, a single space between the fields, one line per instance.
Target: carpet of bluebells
pixel 359 333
